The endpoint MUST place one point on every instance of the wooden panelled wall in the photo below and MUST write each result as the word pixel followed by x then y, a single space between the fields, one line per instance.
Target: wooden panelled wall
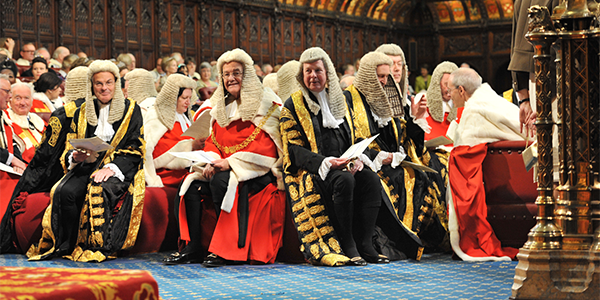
pixel 271 32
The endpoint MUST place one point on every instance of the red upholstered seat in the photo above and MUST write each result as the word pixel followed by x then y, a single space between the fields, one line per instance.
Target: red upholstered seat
pixel 22 68
pixel 510 192
pixel 158 228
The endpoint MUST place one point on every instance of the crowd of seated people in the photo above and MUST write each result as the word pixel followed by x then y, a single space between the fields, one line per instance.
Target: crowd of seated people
pixel 274 133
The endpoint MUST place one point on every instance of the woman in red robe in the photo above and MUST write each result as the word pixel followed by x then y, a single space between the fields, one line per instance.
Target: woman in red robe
pixel 244 179
pixel 164 124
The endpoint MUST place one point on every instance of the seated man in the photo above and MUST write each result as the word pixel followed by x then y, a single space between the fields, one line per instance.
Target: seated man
pixel 487 118
pixel 244 180
pixel 325 189
pixel 414 125
pixel 440 108
pixel 27 125
pixel 105 189
pixel 46 167
pixel 411 195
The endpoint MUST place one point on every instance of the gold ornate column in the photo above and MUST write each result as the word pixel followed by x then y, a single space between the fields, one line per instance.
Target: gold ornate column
pixel 568 268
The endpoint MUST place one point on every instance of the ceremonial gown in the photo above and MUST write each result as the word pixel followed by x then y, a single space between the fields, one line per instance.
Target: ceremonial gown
pixel 413 199
pixel 111 213
pixel 44 170
pixel 29 128
pixel 8 146
pixel 250 195
pixel 306 144
pixel 486 118
pixel 162 168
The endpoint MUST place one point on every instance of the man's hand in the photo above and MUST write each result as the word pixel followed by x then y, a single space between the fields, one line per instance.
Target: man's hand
pixel 338 163
pixel 88 156
pixel 419 109
pixel 220 165
pixel 208 171
pixel 18 165
pixel 530 124
pixel 103 175
pixel 358 166
pixel 525 113
pixel 388 160
pixel 198 144
pixel 9 44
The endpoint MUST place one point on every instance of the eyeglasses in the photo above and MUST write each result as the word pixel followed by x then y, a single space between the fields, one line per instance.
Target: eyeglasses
pixel 28 51
pixel 6 91
pixel 453 88
pixel 236 74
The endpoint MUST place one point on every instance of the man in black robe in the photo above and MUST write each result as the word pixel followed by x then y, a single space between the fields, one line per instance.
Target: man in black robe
pixel 45 168
pixel 106 188
pixel 327 191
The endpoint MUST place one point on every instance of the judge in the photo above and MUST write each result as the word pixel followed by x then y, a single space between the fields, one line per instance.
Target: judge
pixel 46 167
pixel 244 179
pixel 327 191
pixel 487 118
pixel 105 189
pixel 140 87
pixel 165 122
pixel 440 108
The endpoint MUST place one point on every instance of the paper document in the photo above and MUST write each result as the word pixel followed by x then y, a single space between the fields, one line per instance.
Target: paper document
pixel 201 127
pixel 94 143
pixel 199 155
pixel 438 141
pixel 8 169
pixel 405 163
pixel 357 149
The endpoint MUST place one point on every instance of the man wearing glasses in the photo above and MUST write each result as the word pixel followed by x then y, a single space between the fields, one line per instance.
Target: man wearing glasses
pixel 487 118
pixel 27 55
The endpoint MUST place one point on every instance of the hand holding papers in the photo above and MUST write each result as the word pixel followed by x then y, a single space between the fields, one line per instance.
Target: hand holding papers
pixel 357 149
pixel 95 144
pixel 438 141
pixel 8 169
pixel 196 156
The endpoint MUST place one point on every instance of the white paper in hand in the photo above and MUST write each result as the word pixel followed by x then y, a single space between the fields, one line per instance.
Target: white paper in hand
pixel 197 156
pixel 357 149
pixel 95 144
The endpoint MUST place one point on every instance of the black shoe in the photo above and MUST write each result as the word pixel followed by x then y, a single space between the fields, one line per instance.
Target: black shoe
pixel 356 261
pixel 213 261
pixel 379 259
pixel 183 258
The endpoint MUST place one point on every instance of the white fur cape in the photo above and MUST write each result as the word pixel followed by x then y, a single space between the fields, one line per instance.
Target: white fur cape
pixel 487 118
pixel 247 165
pixel 153 132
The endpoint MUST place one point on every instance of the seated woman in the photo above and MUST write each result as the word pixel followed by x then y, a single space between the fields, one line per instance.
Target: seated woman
pixel 39 67
pixel 9 68
pixel 28 126
pixel 244 180
pixel 47 94
pixel 164 123
pixel 205 73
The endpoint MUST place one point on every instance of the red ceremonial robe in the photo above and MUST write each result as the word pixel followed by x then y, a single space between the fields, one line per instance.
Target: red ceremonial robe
pixel 167 141
pixel 440 128
pixel 267 207
pixel 38 106
pixel 477 237
pixel 9 181
pixel 31 136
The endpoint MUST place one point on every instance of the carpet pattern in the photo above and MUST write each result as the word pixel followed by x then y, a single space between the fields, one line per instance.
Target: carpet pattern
pixel 436 276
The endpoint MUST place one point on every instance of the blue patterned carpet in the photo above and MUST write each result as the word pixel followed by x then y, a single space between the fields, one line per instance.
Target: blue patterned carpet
pixel 434 277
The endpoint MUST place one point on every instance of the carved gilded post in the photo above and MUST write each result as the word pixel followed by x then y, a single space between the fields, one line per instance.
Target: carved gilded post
pixel 579 130
pixel 545 235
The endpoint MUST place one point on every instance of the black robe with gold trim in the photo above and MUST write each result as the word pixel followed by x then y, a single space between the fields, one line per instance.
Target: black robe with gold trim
pixel 302 141
pixel 108 223
pixel 417 197
pixel 43 171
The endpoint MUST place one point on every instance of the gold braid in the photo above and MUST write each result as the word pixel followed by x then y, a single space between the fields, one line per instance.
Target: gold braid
pixel 248 140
